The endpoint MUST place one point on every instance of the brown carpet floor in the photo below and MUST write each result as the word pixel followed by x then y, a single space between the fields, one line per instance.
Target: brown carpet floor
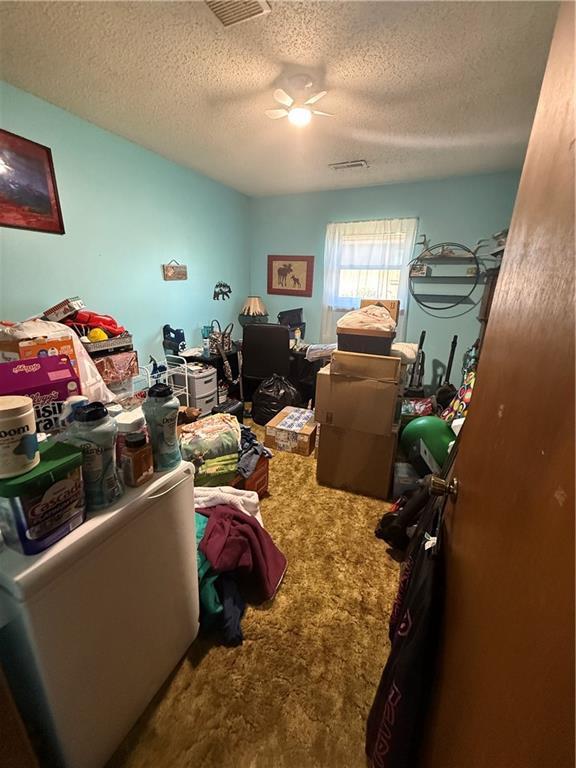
pixel 297 692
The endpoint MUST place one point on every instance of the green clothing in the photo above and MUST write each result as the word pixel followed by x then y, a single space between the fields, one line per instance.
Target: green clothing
pixel 209 599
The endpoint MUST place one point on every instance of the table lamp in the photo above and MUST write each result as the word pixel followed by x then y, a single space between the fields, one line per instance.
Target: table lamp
pixel 253 311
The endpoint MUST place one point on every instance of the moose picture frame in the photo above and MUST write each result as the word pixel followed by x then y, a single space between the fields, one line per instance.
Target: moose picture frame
pixel 290 275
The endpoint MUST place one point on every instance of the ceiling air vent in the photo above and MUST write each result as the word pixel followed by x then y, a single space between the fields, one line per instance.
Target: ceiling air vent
pixel 232 12
pixel 348 165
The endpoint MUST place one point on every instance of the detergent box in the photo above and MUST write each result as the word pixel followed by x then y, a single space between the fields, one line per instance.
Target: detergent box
pixel 49 381
pixel 40 507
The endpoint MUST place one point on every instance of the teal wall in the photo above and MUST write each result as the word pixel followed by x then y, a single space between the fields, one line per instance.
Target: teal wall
pixel 461 209
pixel 126 211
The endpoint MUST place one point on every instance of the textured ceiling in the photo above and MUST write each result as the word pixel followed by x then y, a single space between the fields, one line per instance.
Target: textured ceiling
pixel 419 90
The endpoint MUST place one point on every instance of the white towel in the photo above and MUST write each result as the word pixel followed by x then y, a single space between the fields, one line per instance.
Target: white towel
pixel 245 501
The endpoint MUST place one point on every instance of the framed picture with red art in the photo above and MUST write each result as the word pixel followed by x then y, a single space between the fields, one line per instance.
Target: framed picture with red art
pixel 28 192
pixel 290 275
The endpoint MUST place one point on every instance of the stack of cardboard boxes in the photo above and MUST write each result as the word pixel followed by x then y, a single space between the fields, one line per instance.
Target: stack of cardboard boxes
pixel 357 401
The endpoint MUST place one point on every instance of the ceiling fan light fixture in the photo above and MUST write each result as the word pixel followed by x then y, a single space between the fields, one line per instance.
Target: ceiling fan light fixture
pixel 299 116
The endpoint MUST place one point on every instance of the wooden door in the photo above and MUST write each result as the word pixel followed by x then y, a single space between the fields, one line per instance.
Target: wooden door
pixel 504 697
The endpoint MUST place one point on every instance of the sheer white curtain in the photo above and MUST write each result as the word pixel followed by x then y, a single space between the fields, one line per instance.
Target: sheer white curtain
pixel 365 260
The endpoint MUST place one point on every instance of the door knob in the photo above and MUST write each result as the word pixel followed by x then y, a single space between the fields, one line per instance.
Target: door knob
pixel 440 487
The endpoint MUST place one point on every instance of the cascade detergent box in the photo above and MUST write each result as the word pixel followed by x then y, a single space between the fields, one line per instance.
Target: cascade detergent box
pixel 49 381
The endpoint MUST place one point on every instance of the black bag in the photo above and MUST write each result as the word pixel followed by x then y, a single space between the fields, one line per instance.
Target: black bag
pixel 396 720
pixel 272 395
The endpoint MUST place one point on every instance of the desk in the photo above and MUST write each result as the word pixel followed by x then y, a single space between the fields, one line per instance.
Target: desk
pixel 215 360
pixel 303 373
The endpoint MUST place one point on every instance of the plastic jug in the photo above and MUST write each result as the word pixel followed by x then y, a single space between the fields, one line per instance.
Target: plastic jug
pixel 161 411
pixel 94 432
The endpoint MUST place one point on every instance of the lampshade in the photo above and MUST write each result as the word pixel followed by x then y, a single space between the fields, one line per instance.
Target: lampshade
pixel 253 311
pixel 254 307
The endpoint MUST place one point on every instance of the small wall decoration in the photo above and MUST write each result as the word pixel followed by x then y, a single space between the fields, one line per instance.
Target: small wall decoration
pixel 290 275
pixel 175 271
pixel 221 291
pixel 28 192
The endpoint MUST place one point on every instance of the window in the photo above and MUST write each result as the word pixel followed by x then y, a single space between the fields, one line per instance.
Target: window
pixel 365 260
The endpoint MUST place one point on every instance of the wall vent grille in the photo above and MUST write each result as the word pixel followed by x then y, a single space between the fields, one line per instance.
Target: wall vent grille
pixel 347 165
pixel 231 12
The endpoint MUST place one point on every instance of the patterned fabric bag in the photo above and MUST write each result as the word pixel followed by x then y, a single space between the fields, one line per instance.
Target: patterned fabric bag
pixel 220 339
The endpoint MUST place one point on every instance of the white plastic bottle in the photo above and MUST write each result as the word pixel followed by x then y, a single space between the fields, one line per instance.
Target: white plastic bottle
pixel 94 432
pixel 161 411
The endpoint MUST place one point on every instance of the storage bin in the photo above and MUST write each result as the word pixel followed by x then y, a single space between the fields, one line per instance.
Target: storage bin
pixel 205 404
pixel 365 342
pixel 258 480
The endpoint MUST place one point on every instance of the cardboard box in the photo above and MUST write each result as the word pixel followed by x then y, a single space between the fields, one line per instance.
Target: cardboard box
pixel 292 430
pixel 392 305
pixel 366 366
pixel 49 381
pixel 119 367
pixel 63 309
pixel 358 392
pixel 356 461
pixel 41 346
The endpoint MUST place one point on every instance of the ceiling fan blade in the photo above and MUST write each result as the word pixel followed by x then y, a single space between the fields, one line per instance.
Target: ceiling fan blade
pixel 274 114
pixel 324 114
pixel 283 98
pixel 316 97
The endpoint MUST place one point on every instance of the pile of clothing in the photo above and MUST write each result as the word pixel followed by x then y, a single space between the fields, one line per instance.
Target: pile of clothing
pixel 251 449
pixel 237 559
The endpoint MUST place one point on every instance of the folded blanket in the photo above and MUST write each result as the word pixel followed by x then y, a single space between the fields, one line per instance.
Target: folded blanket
pixel 210 437
pixel 244 501
pixel 371 317
pixel 234 541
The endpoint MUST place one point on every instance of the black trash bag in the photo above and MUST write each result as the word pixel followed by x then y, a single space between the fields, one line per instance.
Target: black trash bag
pixel 272 395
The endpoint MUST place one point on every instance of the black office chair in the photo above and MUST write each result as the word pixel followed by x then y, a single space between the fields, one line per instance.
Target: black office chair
pixel 265 350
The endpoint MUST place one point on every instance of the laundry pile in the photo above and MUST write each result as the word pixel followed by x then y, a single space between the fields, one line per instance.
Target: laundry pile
pixel 237 560
pixel 251 449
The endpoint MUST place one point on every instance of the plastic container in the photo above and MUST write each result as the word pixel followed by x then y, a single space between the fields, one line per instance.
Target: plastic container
pixel 161 412
pixel 69 408
pixel 137 463
pixel 366 342
pixel 18 441
pixel 94 432
pixel 128 422
pixel 206 331
pixel 39 508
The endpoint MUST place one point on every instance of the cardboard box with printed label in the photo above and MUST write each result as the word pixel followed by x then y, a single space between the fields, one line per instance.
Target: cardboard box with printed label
pixel 355 461
pixel 292 430
pixel 49 381
pixel 358 392
pixel 42 346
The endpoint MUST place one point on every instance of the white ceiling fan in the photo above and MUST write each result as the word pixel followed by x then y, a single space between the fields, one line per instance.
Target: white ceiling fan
pixel 299 112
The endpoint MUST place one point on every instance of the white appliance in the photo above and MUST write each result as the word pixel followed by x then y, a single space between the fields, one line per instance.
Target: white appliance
pixel 93 626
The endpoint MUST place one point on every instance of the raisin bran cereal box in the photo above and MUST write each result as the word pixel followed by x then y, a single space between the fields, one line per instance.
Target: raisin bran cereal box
pixel 49 381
